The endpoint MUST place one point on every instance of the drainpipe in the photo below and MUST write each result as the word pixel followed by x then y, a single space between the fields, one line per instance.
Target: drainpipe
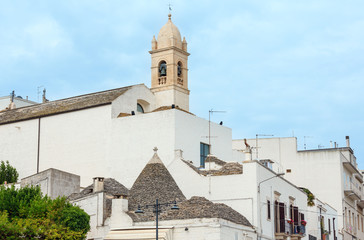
pixel 38 145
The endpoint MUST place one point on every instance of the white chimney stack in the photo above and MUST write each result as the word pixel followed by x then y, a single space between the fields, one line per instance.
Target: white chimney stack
pixel 347 141
pixel 98 184
pixel 248 151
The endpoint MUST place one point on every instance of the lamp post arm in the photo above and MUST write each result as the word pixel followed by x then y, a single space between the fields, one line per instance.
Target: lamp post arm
pixel 266 180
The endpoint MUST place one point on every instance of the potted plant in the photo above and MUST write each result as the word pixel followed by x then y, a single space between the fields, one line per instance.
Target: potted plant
pixel 303 222
pixel 290 221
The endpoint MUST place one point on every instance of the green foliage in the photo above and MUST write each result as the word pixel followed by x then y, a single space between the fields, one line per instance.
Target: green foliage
pixel 8 173
pixel 26 214
pixel 310 197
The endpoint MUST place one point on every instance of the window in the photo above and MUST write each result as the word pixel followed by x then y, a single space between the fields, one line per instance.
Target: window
pixel 162 69
pixel 349 218
pixel 358 223
pixel 268 209
pixel 328 221
pixel 140 108
pixel 179 69
pixel 353 220
pixel 204 151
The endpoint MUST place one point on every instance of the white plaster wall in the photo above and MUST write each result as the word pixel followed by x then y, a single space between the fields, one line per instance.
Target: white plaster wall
pixel 205 228
pixel 191 130
pixel 172 96
pixel 313 216
pixel 127 102
pixel 93 206
pixel 76 142
pixel 275 149
pixel 321 171
pixel 5 102
pixel 18 145
pixel 132 141
pixel 119 218
pixel 240 191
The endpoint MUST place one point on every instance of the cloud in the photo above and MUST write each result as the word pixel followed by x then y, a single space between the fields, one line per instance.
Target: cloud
pixel 43 38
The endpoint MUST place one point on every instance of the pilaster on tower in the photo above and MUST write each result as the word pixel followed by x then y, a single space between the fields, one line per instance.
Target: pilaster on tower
pixel 169 67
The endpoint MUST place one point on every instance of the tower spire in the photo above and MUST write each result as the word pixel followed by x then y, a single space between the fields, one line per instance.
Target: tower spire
pixel 169 67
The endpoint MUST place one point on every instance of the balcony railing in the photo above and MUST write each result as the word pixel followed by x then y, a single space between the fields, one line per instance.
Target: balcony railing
pixel 352 191
pixel 350 163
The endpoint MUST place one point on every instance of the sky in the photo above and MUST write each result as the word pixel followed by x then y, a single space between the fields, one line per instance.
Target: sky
pixel 284 68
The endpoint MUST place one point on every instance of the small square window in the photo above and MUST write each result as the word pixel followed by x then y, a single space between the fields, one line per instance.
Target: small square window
pixel 288 170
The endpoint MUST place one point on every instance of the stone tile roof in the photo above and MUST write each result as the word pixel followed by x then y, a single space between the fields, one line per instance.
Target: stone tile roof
pixel 61 106
pixel 154 182
pixel 163 108
pixel 212 158
pixel 229 168
pixel 111 188
pixel 196 207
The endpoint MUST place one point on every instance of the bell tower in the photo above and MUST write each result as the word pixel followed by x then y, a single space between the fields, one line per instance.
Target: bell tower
pixel 169 67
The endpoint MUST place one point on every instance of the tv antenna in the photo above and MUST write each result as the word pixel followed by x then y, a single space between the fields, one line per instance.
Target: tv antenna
pixel 304 141
pixel 211 111
pixel 39 91
pixel 256 141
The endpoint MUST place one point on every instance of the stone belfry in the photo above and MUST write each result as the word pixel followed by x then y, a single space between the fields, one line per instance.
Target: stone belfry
pixel 169 67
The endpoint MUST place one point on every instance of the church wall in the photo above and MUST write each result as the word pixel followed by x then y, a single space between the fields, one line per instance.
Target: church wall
pixel 191 130
pixel 172 96
pixel 128 101
pixel 132 141
pixel 76 142
pixel 18 145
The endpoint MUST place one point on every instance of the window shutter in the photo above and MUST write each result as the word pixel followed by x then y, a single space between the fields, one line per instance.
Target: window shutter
pixel 282 222
pixel 295 215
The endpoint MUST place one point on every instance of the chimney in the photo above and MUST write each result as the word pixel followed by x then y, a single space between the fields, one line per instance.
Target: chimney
pixel 248 151
pixel 347 141
pixel 178 153
pixel 98 184
pixel 44 98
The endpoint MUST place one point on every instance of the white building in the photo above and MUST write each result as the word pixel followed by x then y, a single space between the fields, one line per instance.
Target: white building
pixel 261 195
pixel 112 208
pixel 331 174
pixel 322 221
pixel 13 101
pixel 111 134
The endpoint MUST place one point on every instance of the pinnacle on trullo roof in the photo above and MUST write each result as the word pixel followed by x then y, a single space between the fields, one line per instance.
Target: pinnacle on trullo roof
pixel 154 182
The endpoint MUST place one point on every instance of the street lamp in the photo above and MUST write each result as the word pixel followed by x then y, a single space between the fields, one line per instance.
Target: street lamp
pixel 277 175
pixel 157 210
